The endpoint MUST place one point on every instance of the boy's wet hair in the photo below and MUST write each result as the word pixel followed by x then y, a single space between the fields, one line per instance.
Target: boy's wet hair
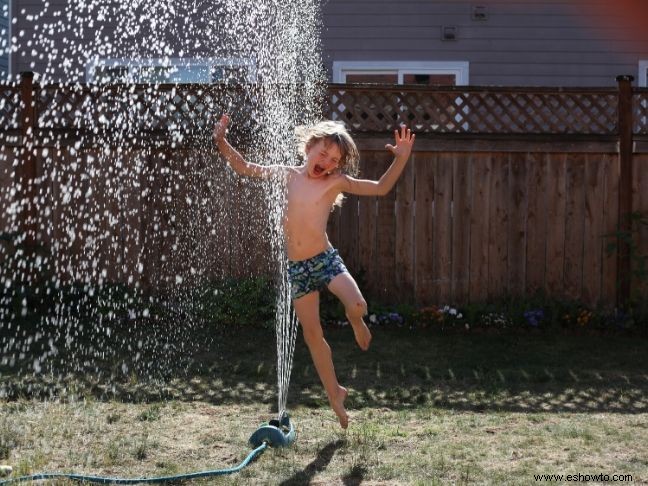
pixel 332 132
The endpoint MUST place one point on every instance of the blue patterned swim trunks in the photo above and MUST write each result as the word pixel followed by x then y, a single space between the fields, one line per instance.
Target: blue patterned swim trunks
pixel 315 273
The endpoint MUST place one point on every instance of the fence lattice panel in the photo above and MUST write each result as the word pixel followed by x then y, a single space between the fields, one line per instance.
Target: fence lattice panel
pixel 180 111
pixel 498 111
pixel 640 112
pixel 188 110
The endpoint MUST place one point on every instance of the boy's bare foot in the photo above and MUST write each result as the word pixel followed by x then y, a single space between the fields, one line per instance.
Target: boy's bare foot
pixel 362 333
pixel 337 403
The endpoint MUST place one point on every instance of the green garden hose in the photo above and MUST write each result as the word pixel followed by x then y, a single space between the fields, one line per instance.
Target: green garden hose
pixel 164 479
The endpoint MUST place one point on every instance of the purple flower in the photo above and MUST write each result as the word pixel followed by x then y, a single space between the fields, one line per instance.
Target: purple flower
pixel 534 317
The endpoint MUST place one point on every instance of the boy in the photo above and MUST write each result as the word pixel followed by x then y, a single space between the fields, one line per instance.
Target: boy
pixel 330 156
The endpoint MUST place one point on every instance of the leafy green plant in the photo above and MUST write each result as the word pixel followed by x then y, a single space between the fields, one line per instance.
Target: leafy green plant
pixel 247 302
pixel 627 239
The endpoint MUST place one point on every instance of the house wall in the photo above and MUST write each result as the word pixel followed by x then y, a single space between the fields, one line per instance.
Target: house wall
pixel 150 31
pixel 522 42
pixel 4 39
pixel 80 32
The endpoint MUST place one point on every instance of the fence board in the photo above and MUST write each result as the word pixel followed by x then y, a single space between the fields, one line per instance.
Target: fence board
pixel 554 283
pixel 349 232
pixel 333 227
pixel 69 211
pixel 443 224
pixel 367 257
pixel 517 203
pixel 498 228
pixel 96 242
pixel 237 236
pixel 479 224
pixel 574 225
pixel 131 219
pixel 536 238
pixel 43 209
pixel 179 259
pixel 220 226
pixel 461 228
pixel 425 232
pixel 385 238
pixel 155 231
pixel 405 235
pixel 611 174
pixel 252 229
pixel 263 251
pixel 593 237
pixel 640 204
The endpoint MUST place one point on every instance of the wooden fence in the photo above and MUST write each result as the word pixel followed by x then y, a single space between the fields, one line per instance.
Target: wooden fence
pixel 509 191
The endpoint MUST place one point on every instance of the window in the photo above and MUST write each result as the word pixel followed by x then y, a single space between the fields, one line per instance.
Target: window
pixel 172 71
pixel 5 37
pixel 430 73
pixel 427 73
pixel 643 74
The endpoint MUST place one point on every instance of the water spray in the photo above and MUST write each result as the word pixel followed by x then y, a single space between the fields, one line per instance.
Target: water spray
pixel 281 37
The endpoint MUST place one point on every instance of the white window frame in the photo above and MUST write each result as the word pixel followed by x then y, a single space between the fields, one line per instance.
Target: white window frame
pixel 460 69
pixel 642 79
pixel 133 65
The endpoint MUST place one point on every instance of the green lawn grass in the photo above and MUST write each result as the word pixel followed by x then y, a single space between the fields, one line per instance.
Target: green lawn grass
pixel 426 408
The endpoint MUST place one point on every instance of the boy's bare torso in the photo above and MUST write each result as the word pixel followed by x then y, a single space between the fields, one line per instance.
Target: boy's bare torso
pixel 309 203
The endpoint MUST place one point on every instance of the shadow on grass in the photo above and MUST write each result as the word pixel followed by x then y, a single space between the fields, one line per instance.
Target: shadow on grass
pixel 403 370
pixel 355 476
pixel 318 465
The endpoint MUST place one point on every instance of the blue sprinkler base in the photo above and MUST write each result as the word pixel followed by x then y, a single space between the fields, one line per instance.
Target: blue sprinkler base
pixel 276 433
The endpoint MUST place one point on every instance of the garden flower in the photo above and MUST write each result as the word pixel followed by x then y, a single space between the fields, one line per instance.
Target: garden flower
pixel 534 317
pixel 495 319
pixel 583 317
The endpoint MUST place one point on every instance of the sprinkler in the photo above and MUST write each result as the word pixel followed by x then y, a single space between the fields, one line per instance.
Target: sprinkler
pixel 276 433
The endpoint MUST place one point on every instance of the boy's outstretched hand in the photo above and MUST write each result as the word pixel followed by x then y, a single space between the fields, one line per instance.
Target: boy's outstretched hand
pixel 404 142
pixel 220 128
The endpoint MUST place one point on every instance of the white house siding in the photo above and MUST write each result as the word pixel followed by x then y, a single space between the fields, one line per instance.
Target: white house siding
pixel 522 43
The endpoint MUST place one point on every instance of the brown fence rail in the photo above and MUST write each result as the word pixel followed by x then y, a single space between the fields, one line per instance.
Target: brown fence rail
pixel 510 190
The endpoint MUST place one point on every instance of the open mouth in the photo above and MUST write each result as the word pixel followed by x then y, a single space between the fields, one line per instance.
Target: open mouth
pixel 317 170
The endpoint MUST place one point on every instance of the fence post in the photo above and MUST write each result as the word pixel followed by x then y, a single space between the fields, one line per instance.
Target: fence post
pixel 26 172
pixel 625 127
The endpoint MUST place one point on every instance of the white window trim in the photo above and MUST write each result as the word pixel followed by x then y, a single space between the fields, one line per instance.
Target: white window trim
pixel 460 69
pixel 170 62
pixel 642 79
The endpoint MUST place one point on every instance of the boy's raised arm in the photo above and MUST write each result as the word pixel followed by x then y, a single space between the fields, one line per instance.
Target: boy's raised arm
pixel 234 158
pixel 402 150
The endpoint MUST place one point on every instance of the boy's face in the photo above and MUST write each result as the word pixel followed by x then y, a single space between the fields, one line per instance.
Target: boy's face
pixel 322 159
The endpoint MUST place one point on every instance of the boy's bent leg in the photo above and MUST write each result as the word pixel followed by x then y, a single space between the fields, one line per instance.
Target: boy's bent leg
pixel 307 310
pixel 346 289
